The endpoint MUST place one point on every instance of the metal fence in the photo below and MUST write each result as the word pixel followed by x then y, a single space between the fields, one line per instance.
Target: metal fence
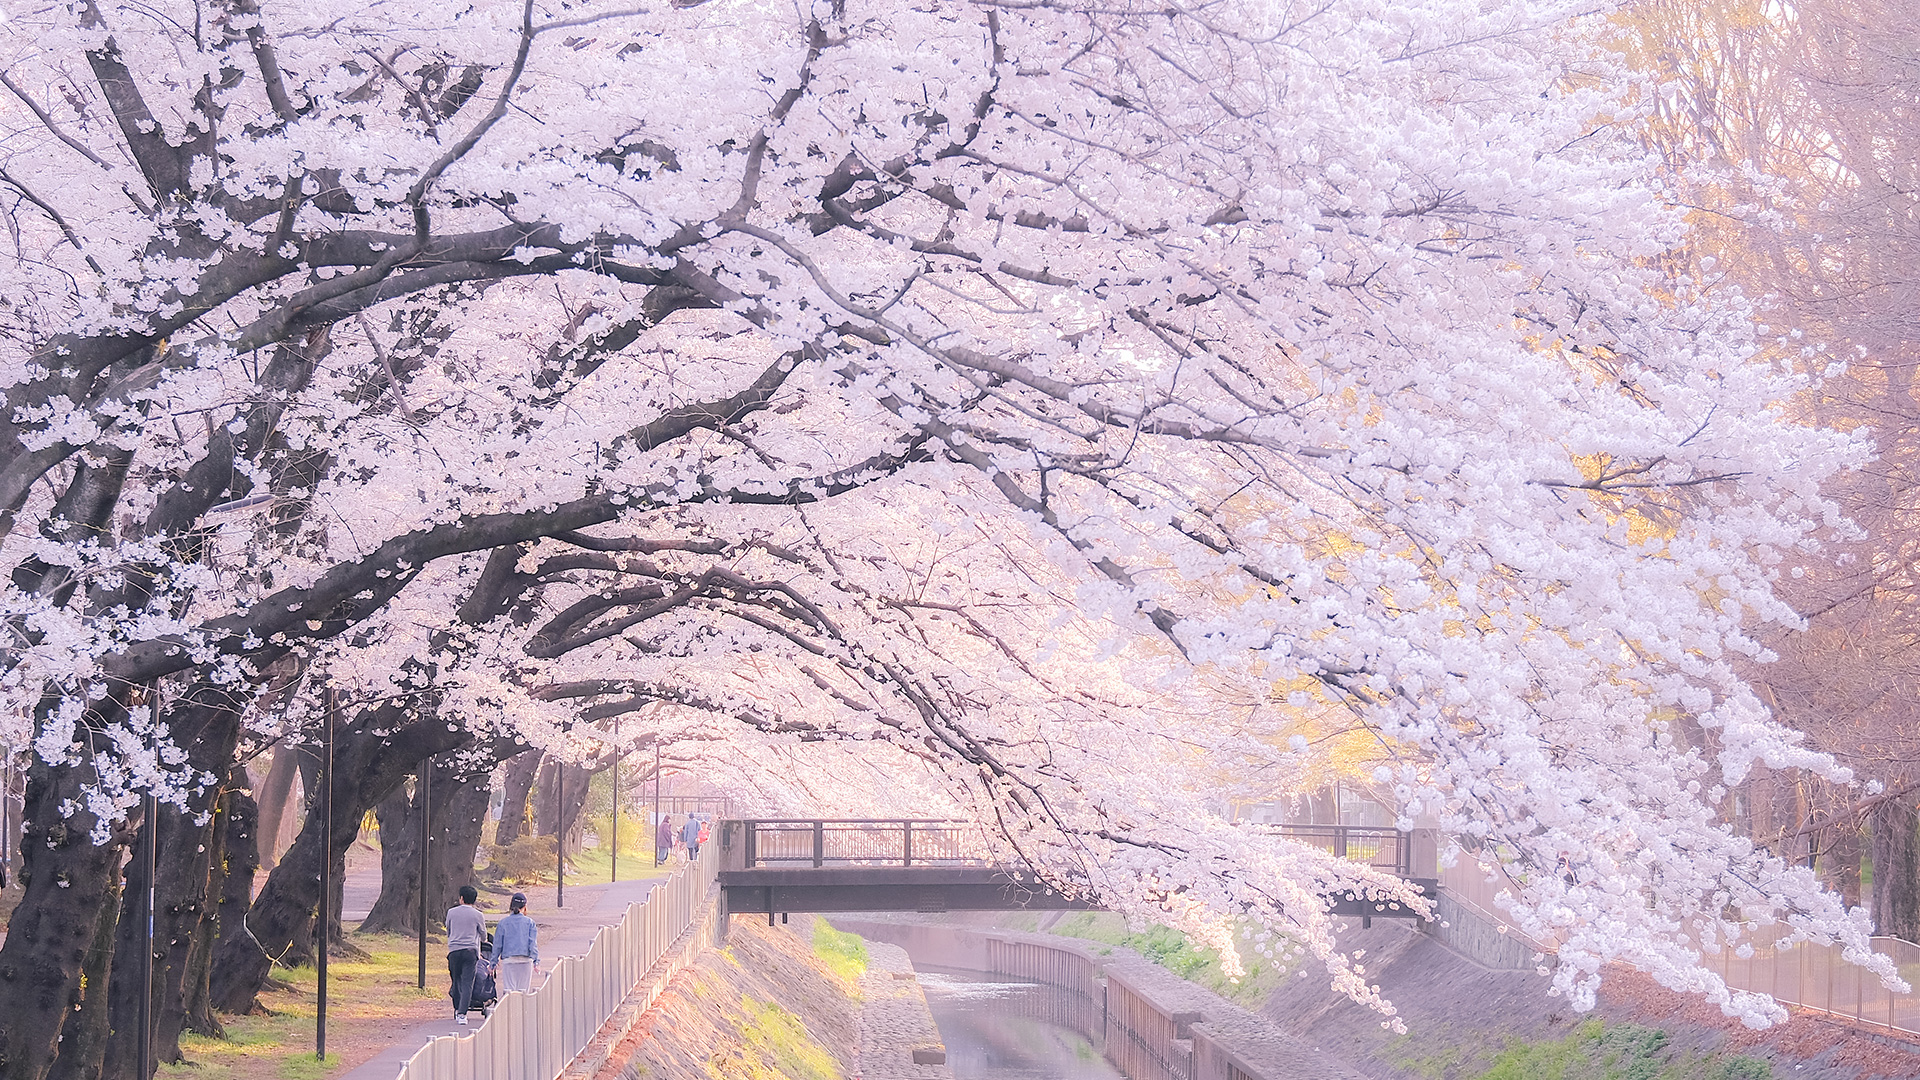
pixel 535 1036
pixel 863 842
pixel 1815 977
pixel 1806 975
pixel 1381 848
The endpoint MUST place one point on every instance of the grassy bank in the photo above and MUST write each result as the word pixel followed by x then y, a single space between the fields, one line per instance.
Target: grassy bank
pixel 1171 950
pixel 366 1000
pixel 1596 1050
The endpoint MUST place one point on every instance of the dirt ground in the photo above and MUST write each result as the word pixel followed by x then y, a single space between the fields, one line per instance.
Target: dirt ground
pixel 1460 1016
pixel 368 999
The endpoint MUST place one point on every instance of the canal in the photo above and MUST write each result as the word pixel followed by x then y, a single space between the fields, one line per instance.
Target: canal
pixel 1002 1029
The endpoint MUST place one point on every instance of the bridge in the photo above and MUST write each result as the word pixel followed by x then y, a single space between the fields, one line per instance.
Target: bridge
pixel 770 866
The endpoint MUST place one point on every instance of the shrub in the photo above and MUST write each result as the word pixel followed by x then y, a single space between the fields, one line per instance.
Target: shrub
pixel 526 861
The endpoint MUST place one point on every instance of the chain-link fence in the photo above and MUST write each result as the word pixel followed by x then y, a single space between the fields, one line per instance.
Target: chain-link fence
pixel 535 1036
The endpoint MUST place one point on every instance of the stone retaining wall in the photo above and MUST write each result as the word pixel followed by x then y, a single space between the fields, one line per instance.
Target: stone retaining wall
pixel 898 1037
pixel 1152 1024
pixel 1479 937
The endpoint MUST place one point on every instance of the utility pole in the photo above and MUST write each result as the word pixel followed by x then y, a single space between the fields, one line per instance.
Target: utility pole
pixel 152 868
pixel 324 924
pixel 426 857
pixel 614 873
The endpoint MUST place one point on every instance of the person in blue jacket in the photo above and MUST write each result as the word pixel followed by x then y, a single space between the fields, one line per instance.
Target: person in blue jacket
pixel 516 947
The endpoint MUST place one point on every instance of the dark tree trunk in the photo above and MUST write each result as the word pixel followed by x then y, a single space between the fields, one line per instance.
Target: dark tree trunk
pixel 1840 862
pixel 514 822
pixel 83 1040
pixel 395 910
pixel 1896 870
pixel 209 732
pixel 69 881
pixel 462 823
pixel 276 804
pixel 232 884
pixel 367 767
pixel 574 797
pixel 459 817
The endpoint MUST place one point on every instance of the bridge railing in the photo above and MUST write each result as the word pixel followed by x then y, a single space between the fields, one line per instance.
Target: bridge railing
pixel 808 842
pixel 1381 848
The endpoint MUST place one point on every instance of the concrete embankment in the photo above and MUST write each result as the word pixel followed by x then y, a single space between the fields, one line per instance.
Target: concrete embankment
pixel 1468 1019
pixel 1148 1022
pixel 770 1005
pixel 764 1006
pixel 898 1037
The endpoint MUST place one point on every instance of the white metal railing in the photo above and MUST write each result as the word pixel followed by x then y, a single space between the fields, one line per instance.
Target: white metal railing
pixel 535 1036
pixel 1807 975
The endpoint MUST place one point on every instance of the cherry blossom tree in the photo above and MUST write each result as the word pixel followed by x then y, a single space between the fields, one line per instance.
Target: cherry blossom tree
pixel 1791 128
pixel 1051 395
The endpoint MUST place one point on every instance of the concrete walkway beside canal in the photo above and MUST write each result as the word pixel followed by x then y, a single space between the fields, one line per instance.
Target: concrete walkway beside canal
pixel 564 931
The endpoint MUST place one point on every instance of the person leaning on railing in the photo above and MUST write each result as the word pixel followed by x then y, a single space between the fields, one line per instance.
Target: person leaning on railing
pixel 516 947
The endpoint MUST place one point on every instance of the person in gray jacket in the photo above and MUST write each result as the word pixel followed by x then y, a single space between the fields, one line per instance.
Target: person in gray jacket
pixel 690 835
pixel 516 947
pixel 465 929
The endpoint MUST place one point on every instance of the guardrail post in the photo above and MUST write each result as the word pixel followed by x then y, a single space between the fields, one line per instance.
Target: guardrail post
pixel 819 843
pixel 753 835
pixel 907 843
pixel 1340 841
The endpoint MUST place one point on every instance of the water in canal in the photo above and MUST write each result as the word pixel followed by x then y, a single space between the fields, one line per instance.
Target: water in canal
pixel 1000 1029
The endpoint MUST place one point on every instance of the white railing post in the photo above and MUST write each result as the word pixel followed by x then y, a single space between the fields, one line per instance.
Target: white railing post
pixel 535 1036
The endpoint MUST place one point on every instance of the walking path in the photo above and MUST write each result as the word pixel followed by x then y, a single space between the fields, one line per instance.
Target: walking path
pixel 564 931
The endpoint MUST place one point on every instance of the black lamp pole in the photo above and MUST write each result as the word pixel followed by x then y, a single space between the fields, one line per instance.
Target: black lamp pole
pixel 426 858
pixel 614 873
pixel 559 833
pixel 153 844
pixel 323 925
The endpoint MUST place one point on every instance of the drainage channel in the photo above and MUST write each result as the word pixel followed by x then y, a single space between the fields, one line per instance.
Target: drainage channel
pixel 1003 1029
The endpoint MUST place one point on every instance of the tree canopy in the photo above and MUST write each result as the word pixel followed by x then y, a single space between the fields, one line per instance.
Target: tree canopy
pixel 1081 409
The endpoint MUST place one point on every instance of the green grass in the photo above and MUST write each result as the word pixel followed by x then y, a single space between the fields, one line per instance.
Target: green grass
pixel 365 1000
pixel 782 1046
pixel 1597 1050
pixel 591 866
pixel 308 1067
pixel 1171 950
pixel 844 954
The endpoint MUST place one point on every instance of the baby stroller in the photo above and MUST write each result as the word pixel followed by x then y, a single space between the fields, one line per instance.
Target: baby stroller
pixel 486 993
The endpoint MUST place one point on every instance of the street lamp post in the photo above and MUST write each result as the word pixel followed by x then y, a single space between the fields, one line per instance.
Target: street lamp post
pixel 656 800
pixel 323 925
pixel 152 870
pixel 426 857
pixel 613 873
pixel 559 833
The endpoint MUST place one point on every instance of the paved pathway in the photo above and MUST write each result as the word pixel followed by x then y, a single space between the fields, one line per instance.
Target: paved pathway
pixel 563 932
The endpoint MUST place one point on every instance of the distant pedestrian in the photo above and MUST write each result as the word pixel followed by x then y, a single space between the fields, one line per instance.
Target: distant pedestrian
pixel 691 835
pixel 663 839
pixel 465 927
pixel 516 947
